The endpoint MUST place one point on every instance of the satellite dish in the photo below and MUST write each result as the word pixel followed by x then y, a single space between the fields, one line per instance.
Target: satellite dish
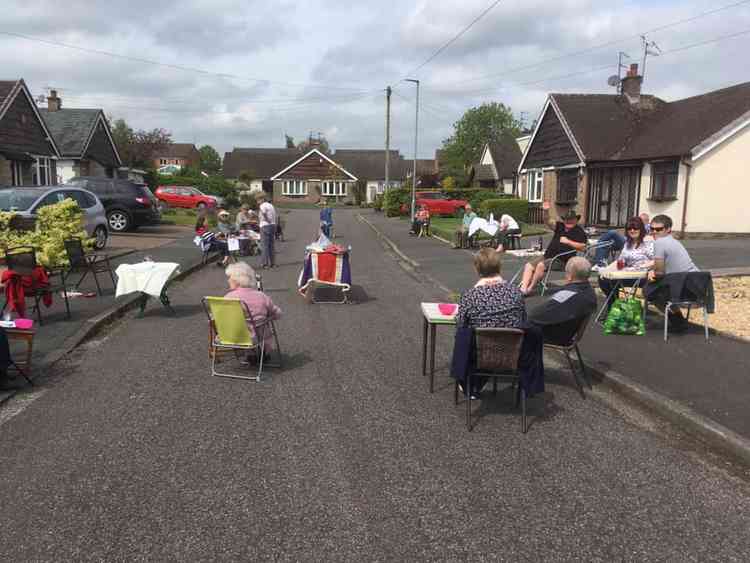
pixel 613 80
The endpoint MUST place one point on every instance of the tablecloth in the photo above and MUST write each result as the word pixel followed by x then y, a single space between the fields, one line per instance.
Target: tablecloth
pixel 146 277
pixel 331 268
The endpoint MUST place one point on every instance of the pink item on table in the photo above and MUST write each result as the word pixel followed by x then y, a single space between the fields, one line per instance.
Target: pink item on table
pixel 447 309
pixel 24 324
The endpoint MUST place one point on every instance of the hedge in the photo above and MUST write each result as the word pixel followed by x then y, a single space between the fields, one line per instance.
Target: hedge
pixel 394 199
pixel 516 208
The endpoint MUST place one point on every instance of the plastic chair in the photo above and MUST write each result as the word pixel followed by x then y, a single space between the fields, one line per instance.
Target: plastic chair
pixel 229 331
pixel 88 263
pixel 572 345
pixel 496 356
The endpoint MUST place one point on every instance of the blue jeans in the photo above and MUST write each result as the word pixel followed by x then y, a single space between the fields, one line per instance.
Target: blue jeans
pixel 618 243
pixel 267 236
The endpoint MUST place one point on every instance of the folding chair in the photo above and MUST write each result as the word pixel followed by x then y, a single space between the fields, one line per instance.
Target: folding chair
pixel 549 265
pixel 89 263
pixel 270 323
pixel 22 260
pixel 689 299
pixel 228 321
pixel 580 330
pixel 496 356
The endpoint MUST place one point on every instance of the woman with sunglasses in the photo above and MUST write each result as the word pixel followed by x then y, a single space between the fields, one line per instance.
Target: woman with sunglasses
pixel 637 254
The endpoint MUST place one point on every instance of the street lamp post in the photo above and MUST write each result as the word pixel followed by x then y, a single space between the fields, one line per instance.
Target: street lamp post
pixel 416 141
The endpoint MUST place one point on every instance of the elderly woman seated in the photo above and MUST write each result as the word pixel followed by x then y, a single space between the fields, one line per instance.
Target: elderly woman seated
pixel 240 279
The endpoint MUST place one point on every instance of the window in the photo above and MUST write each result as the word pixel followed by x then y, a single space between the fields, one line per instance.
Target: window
pixel 664 180
pixel 331 188
pixel 534 186
pixel 567 186
pixel 294 187
pixel 16 173
pixel 42 173
pixel 50 199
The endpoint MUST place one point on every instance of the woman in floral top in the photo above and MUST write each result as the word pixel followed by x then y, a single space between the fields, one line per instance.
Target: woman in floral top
pixel 637 254
pixel 491 303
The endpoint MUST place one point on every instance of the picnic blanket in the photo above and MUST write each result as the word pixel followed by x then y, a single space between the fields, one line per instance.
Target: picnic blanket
pixel 146 277
pixel 330 266
pixel 17 286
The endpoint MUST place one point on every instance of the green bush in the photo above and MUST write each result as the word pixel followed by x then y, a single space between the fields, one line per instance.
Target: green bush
pixel 378 203
pixel 516 208
pixel 394 199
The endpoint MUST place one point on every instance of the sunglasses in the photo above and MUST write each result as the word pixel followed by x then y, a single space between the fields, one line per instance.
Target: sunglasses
pixel 658 229
pixel 634 228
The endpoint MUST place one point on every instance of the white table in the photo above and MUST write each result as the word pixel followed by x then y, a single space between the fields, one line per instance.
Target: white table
pixel 147 278
pixel 621 278
pixel 432 317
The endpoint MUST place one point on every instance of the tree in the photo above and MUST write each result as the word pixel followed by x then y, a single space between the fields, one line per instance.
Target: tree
pixel 290 142
pixel 479 125
pixel 138 148
pixel 312 143
pixel 210 159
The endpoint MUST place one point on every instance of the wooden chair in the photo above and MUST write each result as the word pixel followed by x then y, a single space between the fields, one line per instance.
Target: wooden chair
pixel 22 260
pixel 86 263
pixel 496 354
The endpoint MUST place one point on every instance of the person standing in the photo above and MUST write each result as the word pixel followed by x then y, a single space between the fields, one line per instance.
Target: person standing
pixel 267 219
pixel 326 219
pixel 462 233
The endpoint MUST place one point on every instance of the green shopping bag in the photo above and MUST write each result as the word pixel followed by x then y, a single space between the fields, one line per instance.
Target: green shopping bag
pixel 625 317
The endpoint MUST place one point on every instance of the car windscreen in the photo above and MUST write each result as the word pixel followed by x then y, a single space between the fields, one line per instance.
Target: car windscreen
pixel 19 200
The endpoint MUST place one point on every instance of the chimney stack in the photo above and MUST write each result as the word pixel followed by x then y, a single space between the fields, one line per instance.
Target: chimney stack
pixel 53 102
pixel 631 85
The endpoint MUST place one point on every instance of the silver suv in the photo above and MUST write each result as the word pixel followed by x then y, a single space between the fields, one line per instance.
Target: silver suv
pixel 27 201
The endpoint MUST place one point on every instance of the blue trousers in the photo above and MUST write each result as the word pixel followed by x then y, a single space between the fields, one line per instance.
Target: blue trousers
pixel 618 243
pixel 267 237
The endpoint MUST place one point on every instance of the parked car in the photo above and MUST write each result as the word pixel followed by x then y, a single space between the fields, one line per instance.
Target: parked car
pixel 438 203
pixel 185 196
pixel 26 201
pixel 128 205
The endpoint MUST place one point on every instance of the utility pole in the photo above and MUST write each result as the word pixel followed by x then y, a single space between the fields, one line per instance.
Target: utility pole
pixel 387 137
pixel 620 66
pixel 416 144
pixel 649 48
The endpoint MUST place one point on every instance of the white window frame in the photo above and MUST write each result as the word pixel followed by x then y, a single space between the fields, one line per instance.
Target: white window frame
pixel 294 187
pixel 535 186
pixel 16 173
pixel 43 171
pixel 333 188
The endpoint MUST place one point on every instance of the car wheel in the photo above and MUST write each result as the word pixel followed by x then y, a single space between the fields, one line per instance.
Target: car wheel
pixel 100 237
pixel 201 206
pixel 119 221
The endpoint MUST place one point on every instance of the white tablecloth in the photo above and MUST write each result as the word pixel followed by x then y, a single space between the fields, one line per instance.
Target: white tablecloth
pixel 147 277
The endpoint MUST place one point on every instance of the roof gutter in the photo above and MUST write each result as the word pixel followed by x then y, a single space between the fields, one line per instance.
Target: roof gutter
pixel 685 203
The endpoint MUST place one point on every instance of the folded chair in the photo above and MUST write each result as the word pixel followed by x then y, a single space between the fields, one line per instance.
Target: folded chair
pixel 496 356
pixel 229 332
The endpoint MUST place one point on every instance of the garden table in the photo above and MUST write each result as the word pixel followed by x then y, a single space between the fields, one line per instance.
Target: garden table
pixel 432 317
pixel 148 278
pixel 621 278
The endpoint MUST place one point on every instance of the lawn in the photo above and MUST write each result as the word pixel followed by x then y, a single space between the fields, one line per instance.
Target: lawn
pixel 445 227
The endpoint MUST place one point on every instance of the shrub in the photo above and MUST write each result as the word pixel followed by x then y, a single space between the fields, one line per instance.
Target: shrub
pixel 516 208
pixel 378 203
pixel 478 197
pixel 394 199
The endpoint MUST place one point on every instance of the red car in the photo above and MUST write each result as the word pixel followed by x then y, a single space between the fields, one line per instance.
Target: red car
pixel 438 203
pixel 184 196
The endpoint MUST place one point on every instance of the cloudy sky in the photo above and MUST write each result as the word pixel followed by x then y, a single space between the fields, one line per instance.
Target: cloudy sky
pixel 244 73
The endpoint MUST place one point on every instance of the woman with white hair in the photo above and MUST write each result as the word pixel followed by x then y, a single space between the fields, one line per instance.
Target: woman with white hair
pixel 240 277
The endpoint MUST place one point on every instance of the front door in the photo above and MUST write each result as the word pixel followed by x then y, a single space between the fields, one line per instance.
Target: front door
pixel 613 197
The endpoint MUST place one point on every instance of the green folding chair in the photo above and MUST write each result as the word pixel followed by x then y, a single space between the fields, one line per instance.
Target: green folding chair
pixel 229 331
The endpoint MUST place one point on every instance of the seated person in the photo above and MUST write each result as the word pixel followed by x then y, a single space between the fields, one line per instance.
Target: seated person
pixel 421 218
pixel 618 242
pixel 462 234
pixel 491 303
pixel 240 278
pixel 326 219
pixel 245 218
pixel 200 223
pixel 670 257
pixel 637 254
pixel 568 237
pixel 560 316
pixel 508 226
pixel 5 361
pixel 224 226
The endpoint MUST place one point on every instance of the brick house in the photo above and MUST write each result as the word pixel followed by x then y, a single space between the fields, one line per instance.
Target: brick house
pixel 311 177
pixel 178 154
pixel 498 166
pixel 610 157
pixel 84 139
pixel 27 150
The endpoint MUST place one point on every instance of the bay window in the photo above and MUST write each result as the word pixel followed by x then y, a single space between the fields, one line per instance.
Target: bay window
pixel 294 187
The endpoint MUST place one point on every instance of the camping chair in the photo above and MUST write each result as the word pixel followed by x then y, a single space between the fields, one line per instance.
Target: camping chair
pixel 690 299
pixel 580 330
pixel 549 265
pixel 91 263
pixel 22 260
pixel 271 325
pixel 496 355
pixel 228 321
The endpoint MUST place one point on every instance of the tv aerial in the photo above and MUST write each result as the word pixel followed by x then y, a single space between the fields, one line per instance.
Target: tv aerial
pixel 613 81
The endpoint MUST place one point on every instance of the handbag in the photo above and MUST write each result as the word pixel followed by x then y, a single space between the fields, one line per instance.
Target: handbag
pixel 625 317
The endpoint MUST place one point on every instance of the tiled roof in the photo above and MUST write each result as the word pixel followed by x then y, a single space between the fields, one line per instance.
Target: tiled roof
pixel 259 163
pixel 484 172
pixel 177 150
pixel 506 155
pixel 6 89
pixel 70 128
pixel 369 164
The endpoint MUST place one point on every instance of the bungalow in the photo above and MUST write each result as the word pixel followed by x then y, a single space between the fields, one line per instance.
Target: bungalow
pixel 84 139
pixel 312 176
pixel 610 157
pixel 27 150
pixel 178 154
pixel 498 166
pixel 255 166
pixel 369 166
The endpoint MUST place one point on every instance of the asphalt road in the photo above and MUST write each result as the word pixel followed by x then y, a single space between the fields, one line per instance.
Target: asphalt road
pixel 132 452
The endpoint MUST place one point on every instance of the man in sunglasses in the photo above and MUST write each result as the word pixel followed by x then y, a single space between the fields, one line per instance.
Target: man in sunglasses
pixel 670 257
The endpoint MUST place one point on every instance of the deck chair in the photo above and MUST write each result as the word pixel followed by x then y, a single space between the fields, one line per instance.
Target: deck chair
pixel 229 331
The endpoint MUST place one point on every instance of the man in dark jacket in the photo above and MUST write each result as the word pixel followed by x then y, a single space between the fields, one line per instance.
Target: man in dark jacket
pixel 560 316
